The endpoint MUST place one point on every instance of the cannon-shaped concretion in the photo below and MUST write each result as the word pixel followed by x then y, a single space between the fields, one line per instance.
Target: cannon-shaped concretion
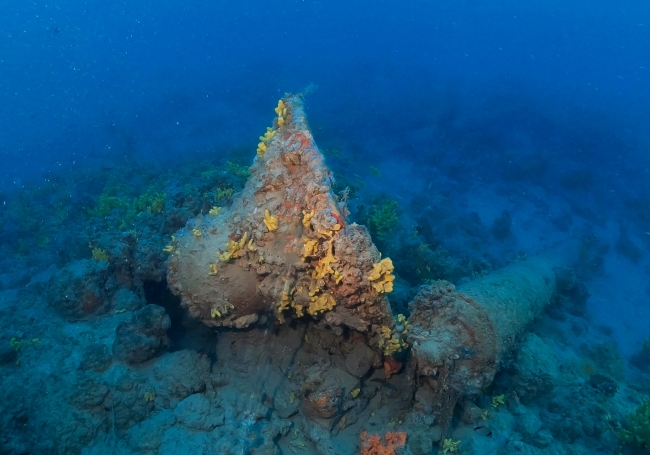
pixel 283 248
pixel 459 335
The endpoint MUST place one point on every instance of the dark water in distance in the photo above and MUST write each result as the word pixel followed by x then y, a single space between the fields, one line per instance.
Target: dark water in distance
pixel 84 82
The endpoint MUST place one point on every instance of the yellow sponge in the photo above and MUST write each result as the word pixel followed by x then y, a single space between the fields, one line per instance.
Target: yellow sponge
pixel 270 221
pixel 320 304
pixel 381 276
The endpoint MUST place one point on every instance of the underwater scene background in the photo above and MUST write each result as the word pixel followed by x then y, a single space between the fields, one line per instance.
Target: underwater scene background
pixel 189 266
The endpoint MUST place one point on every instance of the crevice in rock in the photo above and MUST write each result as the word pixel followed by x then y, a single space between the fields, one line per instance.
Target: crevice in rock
pixel 185 332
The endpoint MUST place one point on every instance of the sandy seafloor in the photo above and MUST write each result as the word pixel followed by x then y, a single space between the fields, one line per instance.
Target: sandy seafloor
pixel 82 254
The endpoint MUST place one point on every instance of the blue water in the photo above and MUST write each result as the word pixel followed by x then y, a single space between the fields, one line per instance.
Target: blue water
pixel 80 80
pixel 471 115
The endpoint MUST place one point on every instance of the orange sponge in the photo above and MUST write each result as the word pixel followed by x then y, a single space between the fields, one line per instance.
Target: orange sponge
pixel 373 444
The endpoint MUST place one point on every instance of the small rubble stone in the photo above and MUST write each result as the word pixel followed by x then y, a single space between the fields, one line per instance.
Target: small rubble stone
pixel 421 443
pixel 96 357
pixel 128 398
pixel 179 440
pixel 181 374
pixel 143 336
pixel 89 392
pixel 536 368
pixel 219 378
pixel 359 360
pixel 603 384
pixel 81 289
pixel 528 424
pixel 324 403
pixel 127 300
pixel 436 434
pixel 285 404
pixel 471 413
pixel 543 438
pixel 148 435
pixel 197 413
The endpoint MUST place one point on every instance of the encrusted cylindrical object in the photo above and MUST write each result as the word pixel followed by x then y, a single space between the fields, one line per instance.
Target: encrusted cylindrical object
pixel 283 248
pixel 459 336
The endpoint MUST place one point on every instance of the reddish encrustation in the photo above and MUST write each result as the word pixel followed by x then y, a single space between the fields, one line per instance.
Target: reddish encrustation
pixel 339 220
pixel 373 444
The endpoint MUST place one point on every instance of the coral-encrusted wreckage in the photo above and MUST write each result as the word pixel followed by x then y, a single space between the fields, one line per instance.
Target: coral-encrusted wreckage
pixel 284 249
pixel 311 290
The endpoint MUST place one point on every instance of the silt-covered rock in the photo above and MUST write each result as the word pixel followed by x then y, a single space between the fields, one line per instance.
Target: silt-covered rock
pixel 143 336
